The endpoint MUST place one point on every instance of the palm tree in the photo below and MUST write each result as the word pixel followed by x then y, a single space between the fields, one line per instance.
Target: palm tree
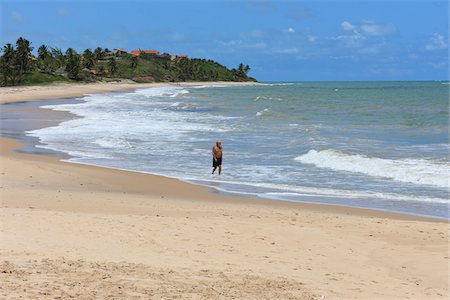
pixel 58 55
pixel 8 52
pixel 241 71
pixel 73 63
pixel 23 53
pixel 112 65
pixel 57 59
pixel 246 69
pixel 43 52
pixel 9 64
pixel 45 58
pixel 98 53
pixel 88 58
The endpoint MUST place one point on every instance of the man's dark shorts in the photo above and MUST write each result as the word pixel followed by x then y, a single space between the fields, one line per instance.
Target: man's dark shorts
pixel 217 163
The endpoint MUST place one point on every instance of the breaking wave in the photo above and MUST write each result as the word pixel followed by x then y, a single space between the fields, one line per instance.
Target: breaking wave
pixel 416 171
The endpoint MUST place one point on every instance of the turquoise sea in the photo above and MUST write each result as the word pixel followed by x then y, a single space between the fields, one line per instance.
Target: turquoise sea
pixel 379 145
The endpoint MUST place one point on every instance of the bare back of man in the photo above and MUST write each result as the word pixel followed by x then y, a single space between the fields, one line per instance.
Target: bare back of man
pixel 217 156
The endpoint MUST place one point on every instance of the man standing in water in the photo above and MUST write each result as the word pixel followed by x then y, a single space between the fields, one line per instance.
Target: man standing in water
pixel 217 156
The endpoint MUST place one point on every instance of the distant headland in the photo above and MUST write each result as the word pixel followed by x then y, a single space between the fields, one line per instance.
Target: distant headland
pixel 18 66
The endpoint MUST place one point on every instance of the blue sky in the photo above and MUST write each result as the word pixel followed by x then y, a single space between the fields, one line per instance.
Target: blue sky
pixel 280 40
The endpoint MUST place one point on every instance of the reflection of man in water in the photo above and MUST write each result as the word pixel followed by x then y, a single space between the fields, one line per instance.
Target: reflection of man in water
pixel 217 156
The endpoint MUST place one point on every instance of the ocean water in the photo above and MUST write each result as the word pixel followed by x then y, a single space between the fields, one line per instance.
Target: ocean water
pixel 379 145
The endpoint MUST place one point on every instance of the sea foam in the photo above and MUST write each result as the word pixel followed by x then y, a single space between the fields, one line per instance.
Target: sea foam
pixel 416 171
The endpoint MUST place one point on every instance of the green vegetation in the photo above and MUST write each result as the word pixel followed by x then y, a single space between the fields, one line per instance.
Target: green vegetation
pixel 37 77
pixel 19 66
pixel 73 65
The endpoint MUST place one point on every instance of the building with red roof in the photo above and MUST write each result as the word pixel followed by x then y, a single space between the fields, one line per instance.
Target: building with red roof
pixel 121 51
pixel 139 52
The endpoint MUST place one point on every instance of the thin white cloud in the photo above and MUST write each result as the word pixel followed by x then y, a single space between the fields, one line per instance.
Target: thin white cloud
pixel 342 57
pixel 298 12
pixel 347 26
pixel 436 42
pixel 439 65
pixel 262 6
pixel 19 18
pixel 363 30
pixel 243 44
pixel 231 43
pixel 369 50
pixel 374 29
pixel 176 37
pixel 286 51
pixel 353 34
pixel 348 38
pixel 252 39
pixel 255 33
pixel 291 30
pixel 257 45
pixel 62 12
pixel 311 38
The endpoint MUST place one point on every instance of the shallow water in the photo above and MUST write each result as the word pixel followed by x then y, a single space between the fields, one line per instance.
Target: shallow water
pixel 380 145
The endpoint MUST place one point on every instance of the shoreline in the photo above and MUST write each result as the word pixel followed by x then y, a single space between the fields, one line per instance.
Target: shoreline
pixel 71 90
pixel 89 231
pixel 323 207
pixel 11 147
pixel 319 207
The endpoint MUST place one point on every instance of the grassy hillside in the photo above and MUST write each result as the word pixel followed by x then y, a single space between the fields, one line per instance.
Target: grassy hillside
pixel 37 77
pixel 152 69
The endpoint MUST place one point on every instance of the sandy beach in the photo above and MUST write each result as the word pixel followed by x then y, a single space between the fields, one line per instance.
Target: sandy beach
pixel 84 232
pixel 67 90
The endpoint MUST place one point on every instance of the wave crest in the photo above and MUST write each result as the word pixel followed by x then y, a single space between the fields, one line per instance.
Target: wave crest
pixel 416 171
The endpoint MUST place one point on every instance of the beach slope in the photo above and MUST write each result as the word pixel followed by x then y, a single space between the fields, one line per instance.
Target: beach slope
pixel 73 231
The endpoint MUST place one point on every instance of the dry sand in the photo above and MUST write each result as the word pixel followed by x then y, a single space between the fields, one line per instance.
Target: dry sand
pixel 75 231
